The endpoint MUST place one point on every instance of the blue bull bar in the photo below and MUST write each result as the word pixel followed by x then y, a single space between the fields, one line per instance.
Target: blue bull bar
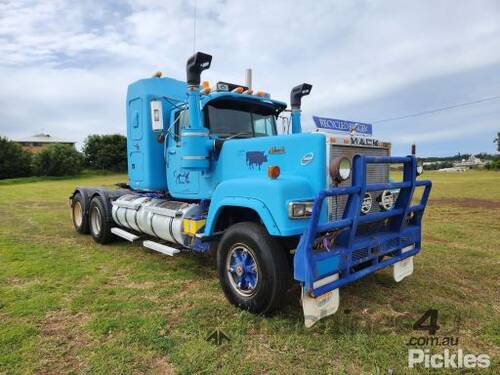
pixel 353 255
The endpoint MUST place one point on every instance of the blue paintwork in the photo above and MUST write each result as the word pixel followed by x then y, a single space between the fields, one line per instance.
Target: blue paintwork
pixel 296 121
pixel 145 154
pixel 238 182
pixel 195 142
pixel 349 249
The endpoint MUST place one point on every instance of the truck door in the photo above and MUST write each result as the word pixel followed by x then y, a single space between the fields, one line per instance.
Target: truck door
pixel 135 157
pixel 180 181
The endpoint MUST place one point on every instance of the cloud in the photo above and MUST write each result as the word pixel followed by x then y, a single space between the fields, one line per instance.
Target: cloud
pixel 64 66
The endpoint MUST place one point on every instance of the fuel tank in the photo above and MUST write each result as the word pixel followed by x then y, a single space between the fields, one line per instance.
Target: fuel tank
pixel 156 217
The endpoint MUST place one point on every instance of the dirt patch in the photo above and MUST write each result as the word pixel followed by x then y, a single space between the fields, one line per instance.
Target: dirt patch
pixel 162 366
pixel 467 202
pixel 62 338
pixel 22 283
pixel 141 285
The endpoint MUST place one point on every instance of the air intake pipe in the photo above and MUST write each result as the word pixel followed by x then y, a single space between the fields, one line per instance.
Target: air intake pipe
pixel 194 139
pixel 295 102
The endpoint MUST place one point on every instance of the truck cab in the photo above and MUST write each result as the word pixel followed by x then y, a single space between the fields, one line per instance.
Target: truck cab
pixel 208 172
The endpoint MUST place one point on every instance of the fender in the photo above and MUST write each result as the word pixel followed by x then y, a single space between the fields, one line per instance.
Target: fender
pixel 268 197
pixel 255 204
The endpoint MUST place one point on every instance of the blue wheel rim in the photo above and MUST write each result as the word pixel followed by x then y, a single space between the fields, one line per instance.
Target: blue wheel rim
pixel 242 270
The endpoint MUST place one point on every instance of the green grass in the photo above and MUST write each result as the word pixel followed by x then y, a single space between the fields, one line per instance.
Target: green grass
pixel 68 305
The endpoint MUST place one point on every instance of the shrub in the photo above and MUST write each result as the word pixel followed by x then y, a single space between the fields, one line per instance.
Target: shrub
pixel 14 161
pixel 58 160
pixel 106 152
pixel 493 165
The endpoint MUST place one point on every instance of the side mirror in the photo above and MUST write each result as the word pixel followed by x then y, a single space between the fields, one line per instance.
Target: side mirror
pixel 195 65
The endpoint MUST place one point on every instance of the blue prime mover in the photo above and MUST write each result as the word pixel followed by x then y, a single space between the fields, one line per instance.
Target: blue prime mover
pixel 208 172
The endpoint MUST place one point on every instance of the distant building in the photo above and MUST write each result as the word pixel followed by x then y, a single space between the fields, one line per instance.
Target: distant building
pixel 471 162
pixel 38 142
pixel 453 169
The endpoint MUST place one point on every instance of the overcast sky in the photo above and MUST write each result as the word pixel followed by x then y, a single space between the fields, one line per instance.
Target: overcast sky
pixel 65 65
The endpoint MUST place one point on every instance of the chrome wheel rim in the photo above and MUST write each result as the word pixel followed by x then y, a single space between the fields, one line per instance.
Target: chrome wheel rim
pixel 77 214
pixel 242 270
pixel 95 220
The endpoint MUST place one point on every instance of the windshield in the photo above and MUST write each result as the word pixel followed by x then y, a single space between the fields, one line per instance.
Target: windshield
pixel 235 119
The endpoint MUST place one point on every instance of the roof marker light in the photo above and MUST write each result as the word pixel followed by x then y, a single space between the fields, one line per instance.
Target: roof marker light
pixel 205 87
pixel 238 90
pixel 263 94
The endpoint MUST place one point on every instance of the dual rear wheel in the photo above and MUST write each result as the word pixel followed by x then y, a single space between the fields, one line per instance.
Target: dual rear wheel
pixel 96 221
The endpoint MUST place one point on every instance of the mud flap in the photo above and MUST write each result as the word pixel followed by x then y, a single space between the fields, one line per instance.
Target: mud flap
pixel 320 307
pixel 404 267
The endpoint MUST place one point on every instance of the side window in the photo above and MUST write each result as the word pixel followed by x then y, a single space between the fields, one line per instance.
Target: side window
pixel 181 122
pixel 263 126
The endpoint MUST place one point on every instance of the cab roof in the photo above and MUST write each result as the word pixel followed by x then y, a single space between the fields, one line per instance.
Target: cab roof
pixel 217 95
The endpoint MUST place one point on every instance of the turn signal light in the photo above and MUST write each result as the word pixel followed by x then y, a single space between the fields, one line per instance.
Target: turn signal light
pixel 273 172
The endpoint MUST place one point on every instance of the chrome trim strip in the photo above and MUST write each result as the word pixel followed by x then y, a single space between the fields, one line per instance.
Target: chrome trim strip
pixel 194 134
pixel 195 157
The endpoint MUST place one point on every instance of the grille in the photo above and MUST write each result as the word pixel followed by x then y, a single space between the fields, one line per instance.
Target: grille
pixel 376 173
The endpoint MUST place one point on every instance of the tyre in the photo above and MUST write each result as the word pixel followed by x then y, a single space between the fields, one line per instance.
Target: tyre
pixel 100 227
pixel 253 269
pixel 78 216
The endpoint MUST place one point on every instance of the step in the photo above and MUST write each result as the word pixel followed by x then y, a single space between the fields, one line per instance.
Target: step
pixel 124 234
pixel 164 249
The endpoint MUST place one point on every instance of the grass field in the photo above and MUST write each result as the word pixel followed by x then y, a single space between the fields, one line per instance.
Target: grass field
pixel 68 305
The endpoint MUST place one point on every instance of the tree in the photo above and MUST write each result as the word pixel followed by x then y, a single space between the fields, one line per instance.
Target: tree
pixel 497 140
pixel 107 152
pixel 58 160
pixel 14 161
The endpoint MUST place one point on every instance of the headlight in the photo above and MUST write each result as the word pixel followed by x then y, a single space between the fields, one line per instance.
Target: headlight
pixel 420 167
pixel 366 205
pixel 386 200
pixel 340 169
pixel 300 210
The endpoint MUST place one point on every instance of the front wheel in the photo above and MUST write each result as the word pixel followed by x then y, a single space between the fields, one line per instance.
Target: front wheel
pixel 252 267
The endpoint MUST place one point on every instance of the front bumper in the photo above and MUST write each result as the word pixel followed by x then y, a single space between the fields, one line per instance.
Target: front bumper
pixel 350 254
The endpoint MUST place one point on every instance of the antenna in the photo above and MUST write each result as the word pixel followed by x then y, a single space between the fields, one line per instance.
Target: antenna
pixel 194 25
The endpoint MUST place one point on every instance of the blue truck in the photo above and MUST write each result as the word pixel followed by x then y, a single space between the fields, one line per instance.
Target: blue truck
pixel 208 172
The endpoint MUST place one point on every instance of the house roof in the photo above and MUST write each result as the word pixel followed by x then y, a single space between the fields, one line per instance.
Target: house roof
pixel 43 138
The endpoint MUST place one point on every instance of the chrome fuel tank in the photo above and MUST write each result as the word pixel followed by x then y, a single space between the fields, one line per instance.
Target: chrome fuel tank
pixel 156 217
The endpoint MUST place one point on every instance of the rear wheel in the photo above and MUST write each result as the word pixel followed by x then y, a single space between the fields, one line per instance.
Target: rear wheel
pixel 100 228
pixel 78 216
pixel 253 268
